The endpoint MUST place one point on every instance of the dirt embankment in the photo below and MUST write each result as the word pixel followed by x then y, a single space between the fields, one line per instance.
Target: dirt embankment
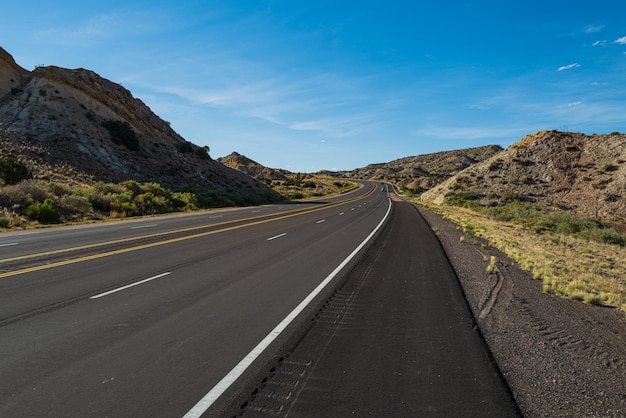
pixel 561 358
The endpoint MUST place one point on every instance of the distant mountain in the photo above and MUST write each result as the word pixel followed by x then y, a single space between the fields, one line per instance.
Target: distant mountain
pixel 252 168
pixel 421 172
pixel 570 171
pixel 75 126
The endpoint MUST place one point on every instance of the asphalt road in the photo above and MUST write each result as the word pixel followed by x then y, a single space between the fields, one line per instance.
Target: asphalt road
pixel 396 340
pixel 146 318
pixel 344 306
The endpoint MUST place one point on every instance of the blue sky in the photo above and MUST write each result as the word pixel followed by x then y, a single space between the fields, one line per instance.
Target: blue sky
pixel 312 85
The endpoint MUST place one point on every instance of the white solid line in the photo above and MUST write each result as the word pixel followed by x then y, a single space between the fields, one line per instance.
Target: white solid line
pixel 205 403
pixel 143 226
pixel 277 236
pixel 321 221
pixel 9 244
pixel 130 285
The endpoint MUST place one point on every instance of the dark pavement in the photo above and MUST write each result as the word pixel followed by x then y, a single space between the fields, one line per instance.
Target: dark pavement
pixel 396 340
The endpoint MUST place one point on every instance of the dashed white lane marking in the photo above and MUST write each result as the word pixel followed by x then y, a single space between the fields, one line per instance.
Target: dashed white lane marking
pixel 209 399
pixel 130 285
pixel 341 213
pixel 216 216
pixel 9 244
pixel 321 221
pixel 144 226
pixel 277 236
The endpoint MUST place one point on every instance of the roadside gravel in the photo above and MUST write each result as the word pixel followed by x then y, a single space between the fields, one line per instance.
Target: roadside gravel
pixel 561 358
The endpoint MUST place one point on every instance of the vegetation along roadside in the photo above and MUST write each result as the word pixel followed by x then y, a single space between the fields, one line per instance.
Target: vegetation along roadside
pixel 575 257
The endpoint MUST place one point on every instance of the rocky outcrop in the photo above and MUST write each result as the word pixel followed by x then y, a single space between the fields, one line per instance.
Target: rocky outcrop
pixel 565 170
pixel 421 172
pixel 11 74
pixel 63 114
pixel 252 168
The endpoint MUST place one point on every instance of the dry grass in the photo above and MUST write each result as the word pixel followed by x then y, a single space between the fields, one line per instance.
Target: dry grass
pixel 589 271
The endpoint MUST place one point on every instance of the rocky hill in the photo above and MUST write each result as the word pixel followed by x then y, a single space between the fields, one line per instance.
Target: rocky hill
pixel 422 172
pixel 75 126
pixel 585 174
pixel 252 168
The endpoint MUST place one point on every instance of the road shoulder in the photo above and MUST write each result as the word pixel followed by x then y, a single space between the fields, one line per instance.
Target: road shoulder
pixel 560 357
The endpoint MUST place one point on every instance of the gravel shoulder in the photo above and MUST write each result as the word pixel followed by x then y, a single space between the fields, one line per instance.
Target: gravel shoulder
pixel 561 358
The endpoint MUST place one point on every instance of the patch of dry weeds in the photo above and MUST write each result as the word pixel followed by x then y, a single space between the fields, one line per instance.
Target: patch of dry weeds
pixel 589 271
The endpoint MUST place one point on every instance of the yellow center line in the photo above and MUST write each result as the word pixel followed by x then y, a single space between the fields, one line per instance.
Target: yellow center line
pixel 156 244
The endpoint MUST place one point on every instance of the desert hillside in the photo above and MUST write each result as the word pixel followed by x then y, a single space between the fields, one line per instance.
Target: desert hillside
pixel 75 126
pixel 422 172
pixel 252 168
pixel 585 174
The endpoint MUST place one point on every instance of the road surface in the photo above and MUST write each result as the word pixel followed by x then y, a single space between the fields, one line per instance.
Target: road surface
pixel 350 300
pixel 144 318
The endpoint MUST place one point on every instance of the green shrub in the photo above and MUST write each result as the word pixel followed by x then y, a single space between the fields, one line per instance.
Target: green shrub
pixel 133 187
pixel 122 133
pixel 185 148
pixel 46 212
pixel 543 220
pixel 463 199
pixel 13 171
pixel 75 203
pixel 4 222
pixel 149 204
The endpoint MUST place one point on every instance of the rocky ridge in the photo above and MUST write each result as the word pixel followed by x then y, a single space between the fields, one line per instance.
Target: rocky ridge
pixel 585 174
pixel 53 119
pixel 422 172
pixel 252 168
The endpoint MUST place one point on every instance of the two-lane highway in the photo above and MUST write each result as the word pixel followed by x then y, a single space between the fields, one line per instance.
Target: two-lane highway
pixel 154 316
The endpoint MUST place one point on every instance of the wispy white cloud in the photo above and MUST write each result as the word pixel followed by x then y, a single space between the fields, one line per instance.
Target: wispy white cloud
pixel 599 43
pixel 342 126
pixel 569 66
pixel 621 41
pixel 593 28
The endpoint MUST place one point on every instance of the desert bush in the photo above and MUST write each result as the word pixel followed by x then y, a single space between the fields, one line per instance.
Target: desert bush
pixel 4 222
pixel 13 171
pixel 122 133
pixel 185 148
pixel 149 204
pixel 495 165
pixel 463 199
pixel 46 212
pixel 122 206
pixel 132 187
pixel 13 197
pixel 75 204
pixel 107 188
pixel 156 189
pixel 59 189
pixel 36 192
pixel 186 201
pixel 542 220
